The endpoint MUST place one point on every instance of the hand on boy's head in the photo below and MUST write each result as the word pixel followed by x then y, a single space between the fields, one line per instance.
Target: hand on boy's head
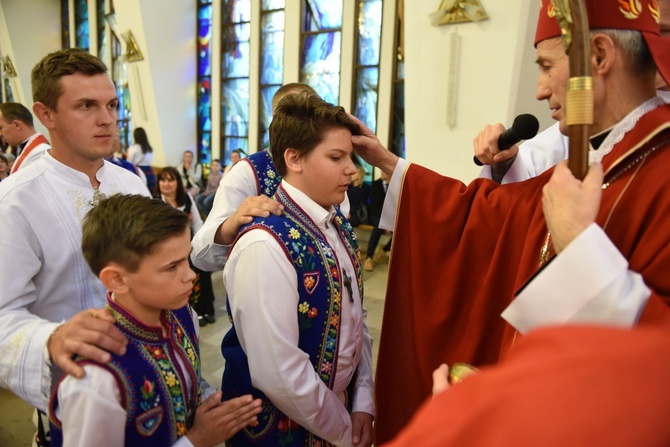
pixel 216 421
pixel 370 149
pixel 91 334
pixel 361 429
pixel 256 206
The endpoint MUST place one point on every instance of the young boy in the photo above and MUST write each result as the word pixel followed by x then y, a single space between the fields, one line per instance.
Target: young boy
pixel 299 339
pixel 139 249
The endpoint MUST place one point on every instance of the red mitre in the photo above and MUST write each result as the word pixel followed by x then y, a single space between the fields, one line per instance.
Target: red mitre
pixel 640 15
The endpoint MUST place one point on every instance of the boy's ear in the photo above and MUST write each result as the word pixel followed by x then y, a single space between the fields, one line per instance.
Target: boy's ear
pixel 293 160
pixel 113 277
pixel 44 114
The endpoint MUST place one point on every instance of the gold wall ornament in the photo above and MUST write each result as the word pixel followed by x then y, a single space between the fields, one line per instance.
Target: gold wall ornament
pixel 8 67
pixel 133 53
pixel 458 11
pixel 564 17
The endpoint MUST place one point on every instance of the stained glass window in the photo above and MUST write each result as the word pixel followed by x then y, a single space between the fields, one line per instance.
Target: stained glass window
pixel 102 35
pixel 204 81
pixel 120 78
pixel 81 23
pixel 235 64
pixel 321 47
pixel 65 23
pixel 398 121
pixel 272 63
pixel 368 45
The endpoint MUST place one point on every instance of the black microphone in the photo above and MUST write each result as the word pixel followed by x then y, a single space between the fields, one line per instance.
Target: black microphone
pixel 524 127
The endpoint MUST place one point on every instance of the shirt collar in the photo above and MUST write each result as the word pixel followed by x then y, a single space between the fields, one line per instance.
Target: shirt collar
pixel 314 211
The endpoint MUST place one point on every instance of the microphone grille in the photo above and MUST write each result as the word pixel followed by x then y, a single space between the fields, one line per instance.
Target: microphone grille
pixel 526 126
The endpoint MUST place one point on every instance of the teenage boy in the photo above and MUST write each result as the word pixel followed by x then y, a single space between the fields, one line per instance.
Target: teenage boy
pixel 299 339
pixel 139 248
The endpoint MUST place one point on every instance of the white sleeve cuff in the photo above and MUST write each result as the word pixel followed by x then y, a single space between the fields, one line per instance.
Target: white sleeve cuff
pixel 589 282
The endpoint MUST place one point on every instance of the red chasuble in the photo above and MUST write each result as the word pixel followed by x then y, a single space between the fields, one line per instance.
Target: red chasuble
pixel 561 386
pixel 461 252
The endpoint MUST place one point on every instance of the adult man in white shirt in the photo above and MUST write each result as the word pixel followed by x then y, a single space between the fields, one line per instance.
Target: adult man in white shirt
pixel 49 298
pixel 16 128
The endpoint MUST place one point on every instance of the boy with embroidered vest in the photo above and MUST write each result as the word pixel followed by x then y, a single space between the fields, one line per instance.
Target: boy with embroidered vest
pixel 139 249
pixel 299 339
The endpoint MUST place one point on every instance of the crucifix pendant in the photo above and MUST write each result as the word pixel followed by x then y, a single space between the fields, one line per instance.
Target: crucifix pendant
pixel 347 284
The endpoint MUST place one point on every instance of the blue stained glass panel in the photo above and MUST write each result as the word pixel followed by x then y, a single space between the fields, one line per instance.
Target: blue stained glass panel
pixel 322 15
pixel 398 137
pixel 320 65
pixel 236 11
pixel 102 35
pixel 269 5
pixel 235 107
pixel 81 23
pixel 204 104
pixel 367 82
pixel 205 41
pixel 266 114
pixel 272 48
pixel 205 147
pixel 235 58
pixel 369 32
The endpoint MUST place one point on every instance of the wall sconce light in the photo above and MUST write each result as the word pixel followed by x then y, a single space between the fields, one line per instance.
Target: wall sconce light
pixel 8 67
pixel 133 53
pixel 458 11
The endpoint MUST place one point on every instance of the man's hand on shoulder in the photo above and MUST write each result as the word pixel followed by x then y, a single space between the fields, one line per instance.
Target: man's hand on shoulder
pixel 256 206
pixel 91 334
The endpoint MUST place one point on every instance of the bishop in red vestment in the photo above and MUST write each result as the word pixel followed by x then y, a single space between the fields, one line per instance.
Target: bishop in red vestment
pixel 463 252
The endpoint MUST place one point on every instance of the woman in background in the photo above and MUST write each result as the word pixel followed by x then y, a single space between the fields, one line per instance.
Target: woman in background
pixel 170 189
pixel 191 174
pixel 141 155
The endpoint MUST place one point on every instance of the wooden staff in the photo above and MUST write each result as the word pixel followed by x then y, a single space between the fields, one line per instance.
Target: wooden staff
pixel 574 23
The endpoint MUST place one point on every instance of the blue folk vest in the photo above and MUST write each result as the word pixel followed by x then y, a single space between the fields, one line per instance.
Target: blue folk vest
pixel 267 177
pixel 320 289
pixel 153 392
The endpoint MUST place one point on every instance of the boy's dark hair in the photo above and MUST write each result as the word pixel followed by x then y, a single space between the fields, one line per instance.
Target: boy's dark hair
pixel 124 228
pixel 299 123
pixel 45 77
pixel 14 111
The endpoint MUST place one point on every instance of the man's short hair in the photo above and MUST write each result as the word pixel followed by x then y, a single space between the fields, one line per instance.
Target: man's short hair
pixel 14 111
pixel 289 89
pixel 45 77
pixel 634 48
pixel 123 228
pixel 299 123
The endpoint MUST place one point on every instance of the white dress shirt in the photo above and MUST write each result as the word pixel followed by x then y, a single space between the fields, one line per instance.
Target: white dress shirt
pixel 263 295
pixel 235 187
pixel 44 278
pixel 90 408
